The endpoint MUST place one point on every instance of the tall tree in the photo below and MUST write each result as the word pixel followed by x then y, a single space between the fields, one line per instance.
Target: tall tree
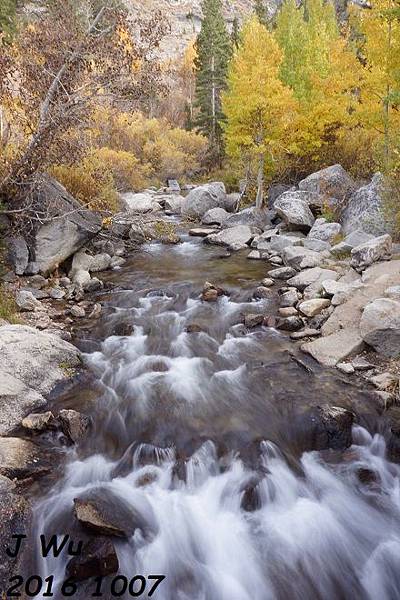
pixel 259 108
pixel 213 51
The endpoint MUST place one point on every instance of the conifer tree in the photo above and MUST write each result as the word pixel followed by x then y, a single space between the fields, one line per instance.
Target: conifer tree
pixel 213 51
pixel 258 107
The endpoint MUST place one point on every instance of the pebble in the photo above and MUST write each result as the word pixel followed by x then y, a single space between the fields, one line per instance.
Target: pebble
pixel 346 368
pixel 78 312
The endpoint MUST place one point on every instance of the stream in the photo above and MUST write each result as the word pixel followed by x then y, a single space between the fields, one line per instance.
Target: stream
pixel 203 435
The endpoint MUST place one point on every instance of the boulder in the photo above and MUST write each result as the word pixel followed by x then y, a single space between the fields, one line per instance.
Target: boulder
pixel 253 217
pixel 364 209
pixel 21 459
pixel 275 190
pixel 231 203
pixel 97 559
pixel 332 349
pixel 15 519
pixel 267 282
pixel 282 273
pixel 295 212
pixel 103 512
pixel 39 421
pixel 324 231
pixel 289 311
pixel 380 326
pixel 255 255
pixel 289 298
pixel 39 360
pixel 377 249
pixel 328 427
pixel 215 216
pixel 16 400
pixel 234 238
pixel 294 256
pixel 353 239
pixel 173 204
pixel 292 323
pixel 332 181
pixel 253 320
pixel 310 308
pixel 316 245
pixel 17 255
pixel 277 243
pixel 26 301
pixel 67 228
pixel 202 198
pixel 316 275
pixel 138 203
pixel 74 424
pixel 201 231
pixel 305 333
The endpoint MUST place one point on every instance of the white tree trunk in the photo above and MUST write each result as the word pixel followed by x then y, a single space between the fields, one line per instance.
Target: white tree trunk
pixel 260 182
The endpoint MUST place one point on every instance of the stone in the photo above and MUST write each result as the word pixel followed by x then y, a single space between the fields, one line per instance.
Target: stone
pixel 262 292
pixel 78 312
pixel 393 292
pixel 276 260
pixel 39 360
pixel 305 333
pixel 364 209
pixel 232 202
pixel 252 217
pixel 39 421
pixel 17 255
pixel 361 364
pixel 332 181
pixel 267 282
pixel 295 213
pixel 103 512
pixel 97 559
pixel 331 287
pixel 324 231
pixel 375 250
pixel 380 326
pixel 173 186
pixel 346 368
pixel 117 262
pixel 100 262
pixel 275 190
pixel 69 227
pixel 385 381
pixel 74 425
pixel 277 243
pixel 290 323
pixel 254 255
pixel 312 276
pixel 282 273
pixel 215 216
pixel 17 399
pixel 234 238
pixel 57 293
pixel 334 348
pixel 38 294
pixel 96 311
pixel 269 321
pixel 193 328
pixel 253 320
pixel 316 245
pixel 201 231
pixel 310 308
pixel 293 256
pixel 289 311
pixel 138 203
pixel 21 459
pixel 329 427
pixel 93 285
pixel 15 518
pixel 289 298
pixel 26 301
pixel 352 240
pixel 38 281
pixel 202 198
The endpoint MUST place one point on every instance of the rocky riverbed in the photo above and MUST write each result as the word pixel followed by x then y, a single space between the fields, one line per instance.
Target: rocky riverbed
pixel 182 322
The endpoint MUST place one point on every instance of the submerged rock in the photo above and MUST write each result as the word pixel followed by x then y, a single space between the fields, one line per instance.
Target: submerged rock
pixel 98 559
pixel 329 427
pixel 74 424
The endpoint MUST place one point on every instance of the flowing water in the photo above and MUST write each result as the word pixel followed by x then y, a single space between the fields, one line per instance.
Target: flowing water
pixel 203 435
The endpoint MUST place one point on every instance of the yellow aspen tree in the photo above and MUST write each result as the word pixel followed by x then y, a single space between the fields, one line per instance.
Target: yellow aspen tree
pixel 259 108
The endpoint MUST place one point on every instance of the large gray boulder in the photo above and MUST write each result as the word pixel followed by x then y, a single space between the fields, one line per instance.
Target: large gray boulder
pixel 253 217
pixel 380 326
pixel 296 213
pixel 215 216
pixel 235 238
pixel 298 256
pixel 375 250
pixel 308 277
pixel 173 204
pixel 333 349
pixel 39 360
pixel 353 239
pixel 333 182
pixel 202 198
pixel 68 226
pixel 139 203
pixel 364 209
pixel 17 254
pixel 324 231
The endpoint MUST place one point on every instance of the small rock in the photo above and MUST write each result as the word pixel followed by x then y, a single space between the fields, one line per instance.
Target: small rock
pixel 57 293
pixel 324 231
pixel 17 254
pixel 282 273
pixel 276 260
pixel 289 311
pixel 289 298
pixel 305 333
pixel 78 312
pixel 94 285
pixel 37 281
pixel 39 421
pixel 267 282
pixel 193 328
pixel 117 262
pixel 269 321
pixel 211 292
pixel 262 292
pixel 380 326
pixel 65 282
pixel 346 368
pixel 361 364
pixel 201 231
pixel 253 320
pixel 26 301
pixel 98 559
pixel 290 324
pixel 123 329
pixel 96 311
pixel 74 425
pixel 310 308
pixel 254 255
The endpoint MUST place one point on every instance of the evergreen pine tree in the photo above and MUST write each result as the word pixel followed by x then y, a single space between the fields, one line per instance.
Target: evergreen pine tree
pixel 213 51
